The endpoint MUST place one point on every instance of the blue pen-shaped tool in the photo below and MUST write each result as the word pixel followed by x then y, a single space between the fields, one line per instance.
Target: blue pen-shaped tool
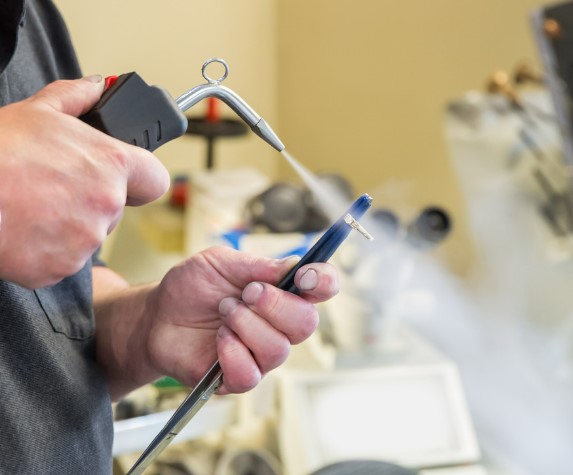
pixel 320 252
pixel 331 240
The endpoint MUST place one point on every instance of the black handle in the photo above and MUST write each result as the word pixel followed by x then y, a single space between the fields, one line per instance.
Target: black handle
pixel 134 112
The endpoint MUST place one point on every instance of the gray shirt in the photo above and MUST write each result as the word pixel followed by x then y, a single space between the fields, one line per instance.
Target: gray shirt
pixel 55 412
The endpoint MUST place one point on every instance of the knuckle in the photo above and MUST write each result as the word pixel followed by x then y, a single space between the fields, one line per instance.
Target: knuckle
pixel 216 252
pixel 51 95
pixel 329 284
pixel 48 94
pixel 308 324
pixel 119 156
pixel 250 380
pixel 277 354
pixel 333 284
pixel 110 203
pixel 273 303
pixel 211 252
pixel 88 239
pixel 328 279
pixel 245 382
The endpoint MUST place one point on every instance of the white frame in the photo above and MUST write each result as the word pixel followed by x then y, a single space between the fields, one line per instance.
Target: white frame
pixel 301 450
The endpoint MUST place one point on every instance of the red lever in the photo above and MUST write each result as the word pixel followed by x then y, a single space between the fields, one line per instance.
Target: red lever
pixel 109 81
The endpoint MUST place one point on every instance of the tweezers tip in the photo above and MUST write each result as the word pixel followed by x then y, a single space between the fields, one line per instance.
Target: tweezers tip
pixel 354 224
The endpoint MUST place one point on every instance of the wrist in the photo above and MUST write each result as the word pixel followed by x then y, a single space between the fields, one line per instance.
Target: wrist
pixel 124 321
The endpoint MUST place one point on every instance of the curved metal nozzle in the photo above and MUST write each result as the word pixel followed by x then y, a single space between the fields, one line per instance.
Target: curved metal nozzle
pixel 264 131
pixel 214 89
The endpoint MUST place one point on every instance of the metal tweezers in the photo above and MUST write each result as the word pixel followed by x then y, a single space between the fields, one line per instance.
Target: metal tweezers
pixel 213 379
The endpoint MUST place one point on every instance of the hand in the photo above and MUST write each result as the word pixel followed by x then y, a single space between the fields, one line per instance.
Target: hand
pixel 63 184
pixel 221 304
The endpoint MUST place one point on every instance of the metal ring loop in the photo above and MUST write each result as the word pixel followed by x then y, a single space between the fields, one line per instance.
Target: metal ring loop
pixel 211 80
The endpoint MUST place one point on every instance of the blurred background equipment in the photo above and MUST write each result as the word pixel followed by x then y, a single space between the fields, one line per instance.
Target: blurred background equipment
pixel 248 462
pixel 552 28
pixel 363 468
pixel 290 208
pixel 280 209
pixel 213 127
pixel 430 227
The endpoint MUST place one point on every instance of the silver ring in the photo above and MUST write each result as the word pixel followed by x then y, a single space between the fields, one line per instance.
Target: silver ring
pixel 211 80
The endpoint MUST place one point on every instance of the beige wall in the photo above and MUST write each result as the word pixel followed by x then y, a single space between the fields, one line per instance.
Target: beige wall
pixel 356 87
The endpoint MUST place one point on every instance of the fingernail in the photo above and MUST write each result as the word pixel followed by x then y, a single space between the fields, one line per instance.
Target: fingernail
pixel 292 260
pixel 95 78
pixel 309 280
pixel 227 305
pixel 252 292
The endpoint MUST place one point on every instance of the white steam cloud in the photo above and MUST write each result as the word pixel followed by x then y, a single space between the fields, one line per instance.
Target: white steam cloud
pixel 508 328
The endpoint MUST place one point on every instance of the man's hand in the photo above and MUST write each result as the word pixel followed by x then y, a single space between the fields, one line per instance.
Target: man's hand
pixel 63 184
pixel 220 304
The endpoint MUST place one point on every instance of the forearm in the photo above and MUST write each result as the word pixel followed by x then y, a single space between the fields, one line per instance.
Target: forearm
pixel 121 332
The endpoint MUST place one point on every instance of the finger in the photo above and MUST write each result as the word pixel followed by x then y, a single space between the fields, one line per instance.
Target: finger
pixel 269 347
pixel 290 314
pixel 147 177
pixel 143 177
pixel 240 371
pixel 317 282
pixel 240 268
pixel 74 97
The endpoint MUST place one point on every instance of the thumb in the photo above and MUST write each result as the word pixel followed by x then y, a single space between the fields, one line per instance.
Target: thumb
pixel 72 97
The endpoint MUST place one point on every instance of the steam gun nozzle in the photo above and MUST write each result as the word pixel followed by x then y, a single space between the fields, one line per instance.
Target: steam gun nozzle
pixel 147 116
pixel 213 88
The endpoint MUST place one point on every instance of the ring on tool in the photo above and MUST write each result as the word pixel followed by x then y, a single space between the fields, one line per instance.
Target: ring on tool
pixel 210 79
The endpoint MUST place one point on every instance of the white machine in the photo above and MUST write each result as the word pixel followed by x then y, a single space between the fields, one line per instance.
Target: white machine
pixel 410 411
